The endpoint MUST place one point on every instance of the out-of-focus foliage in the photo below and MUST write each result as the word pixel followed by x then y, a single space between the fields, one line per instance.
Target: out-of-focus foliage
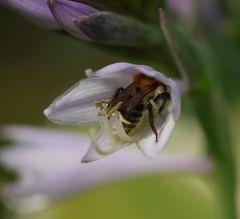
pixel 215 29
pixel 173 197
pixel 37 65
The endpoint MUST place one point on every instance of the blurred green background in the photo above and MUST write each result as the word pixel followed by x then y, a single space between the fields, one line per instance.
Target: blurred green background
pixel 36 66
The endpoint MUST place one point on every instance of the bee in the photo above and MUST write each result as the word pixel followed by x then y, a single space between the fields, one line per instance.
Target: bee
pixel 144 93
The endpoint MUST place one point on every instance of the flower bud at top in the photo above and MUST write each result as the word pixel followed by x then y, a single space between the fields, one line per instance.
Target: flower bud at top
pixel 111 28
pixel 85 21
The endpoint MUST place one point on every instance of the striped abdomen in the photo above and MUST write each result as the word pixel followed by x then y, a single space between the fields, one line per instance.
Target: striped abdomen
pixel 133 116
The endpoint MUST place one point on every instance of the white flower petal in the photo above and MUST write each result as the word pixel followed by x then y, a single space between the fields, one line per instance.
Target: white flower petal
pixel 77 105
pixel 122 68
pixel 42 158
pixel 127 69
pixel 52 157
pixel 100 147
pixel 175 106
pixel 35 136
pixel 148 144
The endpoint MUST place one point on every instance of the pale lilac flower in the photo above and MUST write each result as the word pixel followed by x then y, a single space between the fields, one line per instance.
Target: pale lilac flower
pixel 48 164
pixel 87 102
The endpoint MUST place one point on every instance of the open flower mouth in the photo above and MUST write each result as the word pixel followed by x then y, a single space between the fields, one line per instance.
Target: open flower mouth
pixel 132 104
pixel 125 116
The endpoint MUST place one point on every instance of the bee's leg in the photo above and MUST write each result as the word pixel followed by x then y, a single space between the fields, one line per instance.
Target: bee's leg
pixel 119 90
pixel 151 120
pixel 161 99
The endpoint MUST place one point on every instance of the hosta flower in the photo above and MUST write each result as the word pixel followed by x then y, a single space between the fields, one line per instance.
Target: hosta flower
pixel 132 104
pixel 47 163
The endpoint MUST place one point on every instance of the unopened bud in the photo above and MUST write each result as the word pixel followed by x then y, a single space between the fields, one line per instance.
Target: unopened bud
pixel 114 29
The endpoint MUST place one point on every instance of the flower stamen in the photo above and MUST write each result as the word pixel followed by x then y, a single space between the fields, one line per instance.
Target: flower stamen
pixel 92 134
pixel 122 119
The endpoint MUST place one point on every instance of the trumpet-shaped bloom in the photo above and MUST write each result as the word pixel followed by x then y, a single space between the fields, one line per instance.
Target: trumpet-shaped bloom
pixel 133 105
pixel 47 161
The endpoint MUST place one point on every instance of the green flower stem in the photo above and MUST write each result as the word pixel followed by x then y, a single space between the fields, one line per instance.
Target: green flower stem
pixel 211 108
pixel 219 148
pixel 210 105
